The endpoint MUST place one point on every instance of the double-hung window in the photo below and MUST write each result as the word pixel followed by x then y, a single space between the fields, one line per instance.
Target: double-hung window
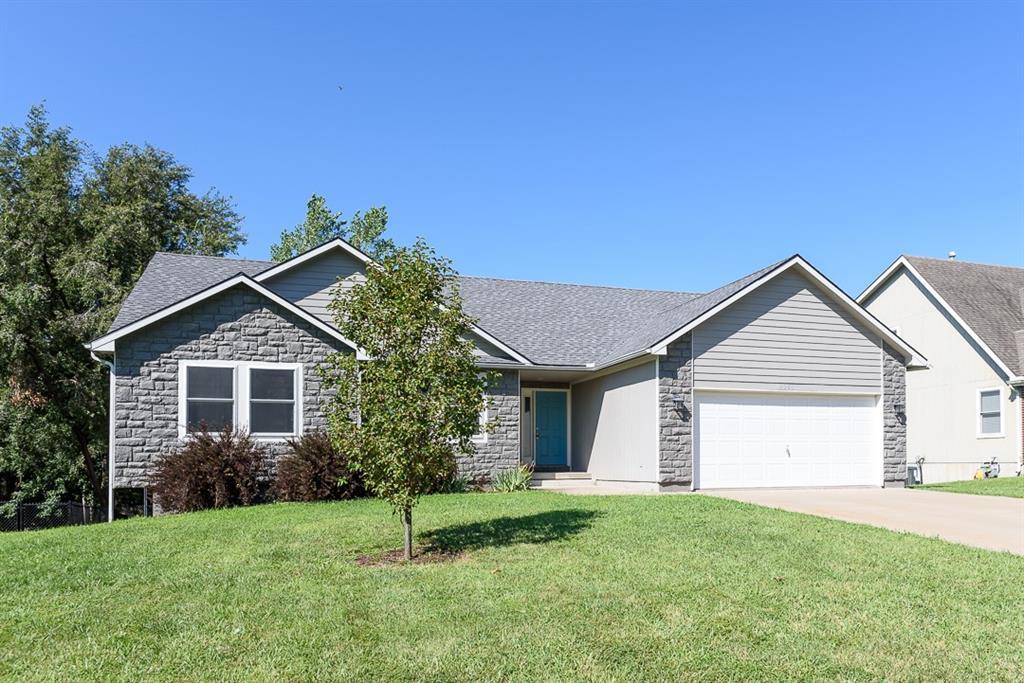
pixel 264 399
pixel 209 397
pixel 272 404
pixel 990 413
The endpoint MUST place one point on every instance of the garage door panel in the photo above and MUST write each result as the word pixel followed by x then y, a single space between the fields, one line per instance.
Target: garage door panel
pixel 751 440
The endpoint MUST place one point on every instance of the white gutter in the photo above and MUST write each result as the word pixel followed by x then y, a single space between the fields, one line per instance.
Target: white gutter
pixel 110 438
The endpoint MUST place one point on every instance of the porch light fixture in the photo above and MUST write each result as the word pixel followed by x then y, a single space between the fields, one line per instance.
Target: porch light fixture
pixel 679 404
pixel 900 408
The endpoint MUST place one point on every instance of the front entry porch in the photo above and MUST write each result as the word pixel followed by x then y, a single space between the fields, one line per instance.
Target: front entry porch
pixel 576 431
pixel 546 434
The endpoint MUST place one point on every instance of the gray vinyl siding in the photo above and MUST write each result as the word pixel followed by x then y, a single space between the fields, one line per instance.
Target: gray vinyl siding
pixel 309 284
pixel 788 335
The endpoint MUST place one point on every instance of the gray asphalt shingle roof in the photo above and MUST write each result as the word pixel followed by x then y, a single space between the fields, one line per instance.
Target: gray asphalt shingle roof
pixel 990 299
pixel 562 324
pixel 169 278
pixel 549 323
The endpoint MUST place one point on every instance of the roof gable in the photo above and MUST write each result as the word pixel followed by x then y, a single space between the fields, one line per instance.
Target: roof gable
pixel 720 299
pixel 169 278
pixel 336 244
pixel 986 300
pixel 105 343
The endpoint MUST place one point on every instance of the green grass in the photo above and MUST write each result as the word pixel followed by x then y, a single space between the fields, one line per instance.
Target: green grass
pixel 1011 487
pixel 552 587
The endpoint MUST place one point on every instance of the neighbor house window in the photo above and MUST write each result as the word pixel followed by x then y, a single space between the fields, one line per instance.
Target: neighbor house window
pixel 990 413
pixel 264 399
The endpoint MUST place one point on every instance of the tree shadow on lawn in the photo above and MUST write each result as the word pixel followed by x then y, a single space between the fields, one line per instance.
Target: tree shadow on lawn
pixel 543 527
pixel 451 543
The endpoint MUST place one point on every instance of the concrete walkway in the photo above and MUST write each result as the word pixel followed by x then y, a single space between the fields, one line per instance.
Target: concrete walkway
pixel 991 522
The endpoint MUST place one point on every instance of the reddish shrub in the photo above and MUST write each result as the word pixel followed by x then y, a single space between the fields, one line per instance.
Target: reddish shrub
pixel 210 471
pixel 313 470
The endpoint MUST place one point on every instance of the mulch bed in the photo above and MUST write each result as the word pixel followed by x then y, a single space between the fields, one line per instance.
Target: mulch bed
pixel 392 558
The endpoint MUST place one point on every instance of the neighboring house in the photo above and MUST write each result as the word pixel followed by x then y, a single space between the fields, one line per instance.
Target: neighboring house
pixel 776 379
pixel 968 318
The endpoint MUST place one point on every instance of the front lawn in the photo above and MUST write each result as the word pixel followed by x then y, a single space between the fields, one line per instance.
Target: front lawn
pixel 551 587
pixel 1011 487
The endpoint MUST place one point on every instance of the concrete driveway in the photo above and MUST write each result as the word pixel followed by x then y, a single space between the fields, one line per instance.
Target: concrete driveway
pixel 988 522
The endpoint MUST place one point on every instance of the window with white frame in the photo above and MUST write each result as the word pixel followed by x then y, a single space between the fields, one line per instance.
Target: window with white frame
pixel 209 397
pixel 264 399
pixel 990 413
pixel 481 430
pixel 272 400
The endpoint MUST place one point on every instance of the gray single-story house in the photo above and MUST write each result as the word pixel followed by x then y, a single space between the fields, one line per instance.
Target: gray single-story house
pixel 776 379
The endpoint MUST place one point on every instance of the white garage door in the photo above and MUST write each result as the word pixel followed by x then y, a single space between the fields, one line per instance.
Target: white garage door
pixel 751 440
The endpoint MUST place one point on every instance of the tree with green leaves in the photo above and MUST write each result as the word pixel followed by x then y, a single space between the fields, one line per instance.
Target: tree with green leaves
pixel 76 231
pixel 403 415
pixel 321 225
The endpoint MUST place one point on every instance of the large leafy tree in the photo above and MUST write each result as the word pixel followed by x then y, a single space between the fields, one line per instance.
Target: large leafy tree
pixel 364 231
pixel 76 230
pixel 404 414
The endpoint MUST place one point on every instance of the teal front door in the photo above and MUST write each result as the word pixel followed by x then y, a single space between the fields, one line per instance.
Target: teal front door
pixel 551 426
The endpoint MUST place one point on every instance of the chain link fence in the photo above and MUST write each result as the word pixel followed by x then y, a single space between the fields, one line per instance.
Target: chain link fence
pixel 27 516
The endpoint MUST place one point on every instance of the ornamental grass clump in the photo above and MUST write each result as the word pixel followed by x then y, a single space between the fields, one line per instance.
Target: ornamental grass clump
pixel 513 479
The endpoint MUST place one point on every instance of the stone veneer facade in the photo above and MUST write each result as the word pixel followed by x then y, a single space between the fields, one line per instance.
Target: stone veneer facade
pixel 675 425
pixel 241 325
pixel 500 450
pixel 236 325
pixel 894 423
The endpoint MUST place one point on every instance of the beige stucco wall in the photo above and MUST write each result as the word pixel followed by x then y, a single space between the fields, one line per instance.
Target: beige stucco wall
pixel 942 402
pixel 614 425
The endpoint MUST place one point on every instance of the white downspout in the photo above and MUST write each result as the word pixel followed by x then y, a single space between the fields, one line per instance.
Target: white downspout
pixel 110 438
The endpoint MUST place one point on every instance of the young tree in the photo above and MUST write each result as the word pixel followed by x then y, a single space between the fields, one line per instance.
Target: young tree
pixel 321 225
pixel 403 415
pixel 75 233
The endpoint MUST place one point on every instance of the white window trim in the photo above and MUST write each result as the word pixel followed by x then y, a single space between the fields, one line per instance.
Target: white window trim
pixel 1002 413
pixel 482 436
pixel 240 415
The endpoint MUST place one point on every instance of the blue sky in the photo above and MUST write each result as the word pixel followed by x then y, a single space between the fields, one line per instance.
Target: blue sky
pixel 671 146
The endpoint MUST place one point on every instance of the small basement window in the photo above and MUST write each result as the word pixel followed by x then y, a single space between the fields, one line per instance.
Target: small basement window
pixel 990 413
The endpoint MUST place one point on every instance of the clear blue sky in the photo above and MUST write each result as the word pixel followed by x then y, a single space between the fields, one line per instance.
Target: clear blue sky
pixel 666 146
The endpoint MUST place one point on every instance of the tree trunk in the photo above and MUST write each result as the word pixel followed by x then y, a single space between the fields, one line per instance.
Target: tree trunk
pixel 407 523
